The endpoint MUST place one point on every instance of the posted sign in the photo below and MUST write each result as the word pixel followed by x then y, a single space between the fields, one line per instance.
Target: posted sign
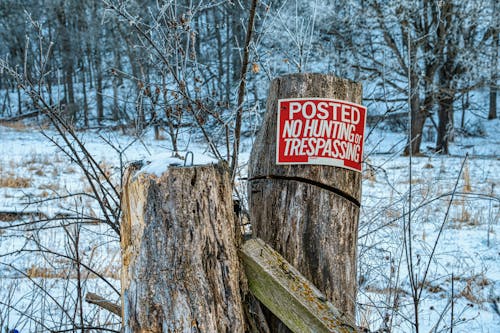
pixel 320 131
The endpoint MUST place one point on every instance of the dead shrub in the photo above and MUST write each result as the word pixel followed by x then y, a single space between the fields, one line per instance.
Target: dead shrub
pixel 17 125
pixel 52 187
pixel 14 181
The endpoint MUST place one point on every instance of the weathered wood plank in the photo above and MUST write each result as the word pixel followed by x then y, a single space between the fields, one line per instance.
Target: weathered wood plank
pixel 288 294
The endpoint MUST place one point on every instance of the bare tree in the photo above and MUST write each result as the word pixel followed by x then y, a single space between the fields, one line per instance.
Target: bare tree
pixel 492 114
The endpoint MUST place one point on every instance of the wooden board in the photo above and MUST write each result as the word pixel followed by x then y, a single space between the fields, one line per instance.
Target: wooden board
pixel 288 294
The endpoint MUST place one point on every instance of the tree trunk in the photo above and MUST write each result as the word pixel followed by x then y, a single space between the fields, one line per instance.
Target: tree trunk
pixel 85 102
pixel 445 103
pixel 116 106
pixel 308 213
pixel 229 68
pixel 98 83
pixel 19 100
pixel 66 50
pixel 238 38
pixel 220 57
pixel 492 114
pixel 445 124
pixel 179 249
pixel 418 117
pixel 116 80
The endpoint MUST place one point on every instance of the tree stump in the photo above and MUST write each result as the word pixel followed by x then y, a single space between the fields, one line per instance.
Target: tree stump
pixel 179 250
pixel 308 213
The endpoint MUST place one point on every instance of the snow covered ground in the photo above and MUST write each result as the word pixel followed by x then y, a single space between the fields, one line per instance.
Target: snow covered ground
pixel 454 215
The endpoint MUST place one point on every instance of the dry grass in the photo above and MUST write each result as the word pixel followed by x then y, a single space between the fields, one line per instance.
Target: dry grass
pixel 107 170
pixel 392 213
pixel 369 172
pixel 37 159
pixel 70 170
pixel 465 214
pixel 466 175
pixel 385 290
pixel 13 181
pixel 55 172
pixel 41 159
pixel 370 175
pixel 472 290
pixel 17 125
pixel 52 187
pixel 112 271
pixel 414 181
pixel 46 273
pixel 21 125
pixel 428 166
pixel 432 288
pixel 8 217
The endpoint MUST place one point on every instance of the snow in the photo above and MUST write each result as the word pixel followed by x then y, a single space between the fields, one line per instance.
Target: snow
pixel 466 253
pixel 158 164
pixel 468 248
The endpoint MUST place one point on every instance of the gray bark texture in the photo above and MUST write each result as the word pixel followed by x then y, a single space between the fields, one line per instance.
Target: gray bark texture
pixel 308 213
pixel 179 250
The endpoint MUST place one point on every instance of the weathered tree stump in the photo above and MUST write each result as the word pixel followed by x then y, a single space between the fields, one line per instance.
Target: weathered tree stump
pixel 179 250
pixel 308 213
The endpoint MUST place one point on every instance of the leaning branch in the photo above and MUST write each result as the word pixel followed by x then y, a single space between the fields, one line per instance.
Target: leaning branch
pixel 103 303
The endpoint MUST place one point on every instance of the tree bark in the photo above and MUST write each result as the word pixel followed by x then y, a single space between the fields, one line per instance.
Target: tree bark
pixel 179 250
pixel 445 123
pixel 308 213
pixel 238 38
pixel 418 117
pixel 66 50
pixel 446 97
pixel 492 112
pixel 98 84
pixel 116 81
pixel 85 102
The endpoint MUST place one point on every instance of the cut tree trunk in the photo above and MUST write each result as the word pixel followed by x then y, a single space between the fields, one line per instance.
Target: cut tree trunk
pixel 179 249
pixel 308 213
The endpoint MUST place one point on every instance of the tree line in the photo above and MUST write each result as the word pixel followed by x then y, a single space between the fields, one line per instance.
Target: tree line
pixel 178 63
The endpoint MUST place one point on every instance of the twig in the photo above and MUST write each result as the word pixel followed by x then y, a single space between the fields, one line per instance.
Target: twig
pixel 452 301
pixel 241 92
pixel 441 228
pixel 103 303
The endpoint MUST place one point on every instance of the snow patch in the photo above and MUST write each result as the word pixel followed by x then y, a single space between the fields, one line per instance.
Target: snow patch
pixel 159 163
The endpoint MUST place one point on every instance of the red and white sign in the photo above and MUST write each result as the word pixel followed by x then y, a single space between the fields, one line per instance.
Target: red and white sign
pixel 320 131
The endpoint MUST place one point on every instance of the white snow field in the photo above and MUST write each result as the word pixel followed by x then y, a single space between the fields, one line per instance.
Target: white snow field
pixel 453 228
